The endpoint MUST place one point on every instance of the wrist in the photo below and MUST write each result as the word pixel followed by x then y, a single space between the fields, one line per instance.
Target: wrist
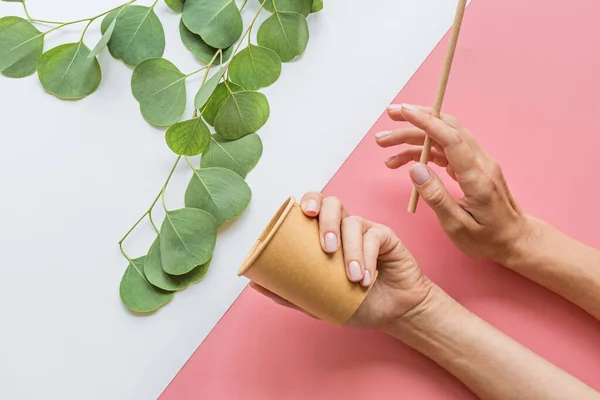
pixel 527 245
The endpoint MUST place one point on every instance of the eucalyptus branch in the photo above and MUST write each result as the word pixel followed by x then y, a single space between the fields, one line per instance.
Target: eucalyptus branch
pixel 63 24
pixel 246 33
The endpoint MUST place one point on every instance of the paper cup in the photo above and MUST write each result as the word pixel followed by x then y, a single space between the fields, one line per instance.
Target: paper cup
pixel 288 260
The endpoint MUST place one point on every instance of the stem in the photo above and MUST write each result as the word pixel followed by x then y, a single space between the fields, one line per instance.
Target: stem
pixel 85 30
pixel 149 210
pixel 90 19
pixel 152 222
pixel 25 9
pixel 246 33
pixel 195 72
pixel 164 188
pixel 153 4
pixel 243 5
pixel 190 164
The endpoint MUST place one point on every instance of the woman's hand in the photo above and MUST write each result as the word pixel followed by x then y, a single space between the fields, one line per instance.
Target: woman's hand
pixel 487 222
pixel 400 286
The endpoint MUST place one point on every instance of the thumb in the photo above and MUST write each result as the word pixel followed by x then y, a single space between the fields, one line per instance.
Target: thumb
pixel 435 194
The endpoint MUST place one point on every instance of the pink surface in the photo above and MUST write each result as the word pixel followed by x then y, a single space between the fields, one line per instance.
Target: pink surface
pixel 525 81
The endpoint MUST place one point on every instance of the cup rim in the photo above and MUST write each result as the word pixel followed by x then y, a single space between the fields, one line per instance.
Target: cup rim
pixel 267 234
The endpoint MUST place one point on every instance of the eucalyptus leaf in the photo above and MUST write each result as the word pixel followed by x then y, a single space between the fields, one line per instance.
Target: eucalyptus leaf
pixel 241 114
pixel 255 67
pixel 240 156
pixel 207 89
pixel 21 46
pixel 175 5
pixel 218 22
pixel 217 99
pixel 220 191
pixel 103 40
pixel 284 33
pixel 188 138
pixel 137 293
pixel 187 239
pixel 66 71
pixel 137 36
pixel 298 6
pixel 159 278
pixel 159 87
pixel 317 6
pixel 200 49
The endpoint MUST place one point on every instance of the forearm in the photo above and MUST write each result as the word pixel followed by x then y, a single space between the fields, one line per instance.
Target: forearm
pixel 561 264
pixel 488 362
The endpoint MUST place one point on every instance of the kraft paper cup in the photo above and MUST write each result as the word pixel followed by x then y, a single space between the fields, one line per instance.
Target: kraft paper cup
pixel 288 260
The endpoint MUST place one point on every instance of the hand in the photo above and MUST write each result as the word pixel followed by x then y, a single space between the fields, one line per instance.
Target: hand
pixel 400 286
pixel 487 222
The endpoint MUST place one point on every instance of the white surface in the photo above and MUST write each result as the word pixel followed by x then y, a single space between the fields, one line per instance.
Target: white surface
pixel 74 176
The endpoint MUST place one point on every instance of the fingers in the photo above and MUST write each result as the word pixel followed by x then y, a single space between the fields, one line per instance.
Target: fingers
pixel 435 194
pixel 352 239
pixel 311 203
pixel 414 136
pixel 414 154
pixel 395 113
pixel 374 242
pixel 330 218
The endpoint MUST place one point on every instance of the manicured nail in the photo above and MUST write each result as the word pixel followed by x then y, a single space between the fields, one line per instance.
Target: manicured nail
pixel 367 279
pixel 311 206
pixel 383 134
pixel 420 173
pixel 387 160
pixel 354 271
pixel 393 107
pixel 409 107
pixel 331 244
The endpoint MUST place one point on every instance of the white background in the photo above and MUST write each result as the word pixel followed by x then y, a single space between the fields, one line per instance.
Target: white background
pixel 74 176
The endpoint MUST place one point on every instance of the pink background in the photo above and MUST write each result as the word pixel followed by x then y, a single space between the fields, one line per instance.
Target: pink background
pixel 525 82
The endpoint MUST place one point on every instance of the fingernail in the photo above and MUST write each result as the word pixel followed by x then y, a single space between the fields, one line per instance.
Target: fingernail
pixel 354 271
pixel 383 134
pixel 311 206
pixel 367 279
pixel 420 173
pixel 389 159
pixel 409 107
pixel 331 245
pixel 393 107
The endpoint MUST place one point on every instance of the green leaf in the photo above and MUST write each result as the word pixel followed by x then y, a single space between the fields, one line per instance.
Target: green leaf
pixel 217 99
pixel 188 138
pixel 207 89
pixel 242 113
pixel 159 87
pixel 220 191
pixel 298 6
pixel 284 33
pixel 103 40
pixel 68 73
pixel 255 67
pixel 175 5
pixel 187 239
pixel 199 48
pixel 218 22
pixel 317 6
pixel 137 293
pixel 159 278
pixel 240 156
pixel 21 46
pixel 138 35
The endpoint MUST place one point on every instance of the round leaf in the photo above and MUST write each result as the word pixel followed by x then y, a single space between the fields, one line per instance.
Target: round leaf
pixel 285 33
pixel 199 48
pixel 255 67
pixel 242 113
pixel 159 87
pixel 21 46
pixel 207 89
pixel 217 99
pixel 188 138
pixel 220 191
pixel 240 155
pixel 298 6
pixel 317 6
pixel 68 73
pixel 187 239
pixel 138 35
pixel 159 278
pixel 137 293
pixel 218 22
pixel 175 5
